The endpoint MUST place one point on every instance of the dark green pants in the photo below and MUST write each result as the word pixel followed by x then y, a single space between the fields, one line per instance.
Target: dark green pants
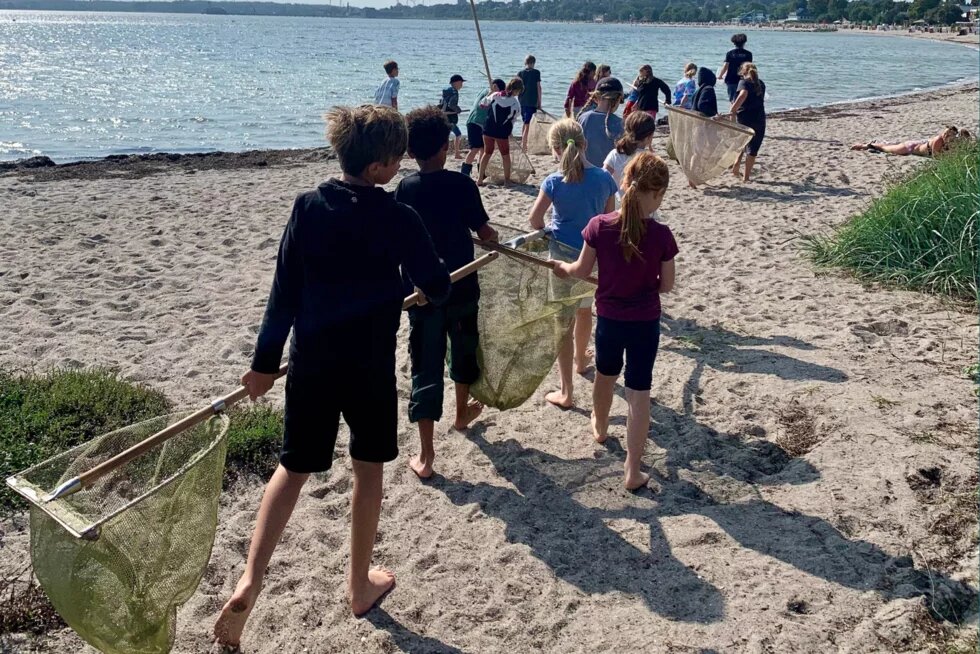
pixel 429 329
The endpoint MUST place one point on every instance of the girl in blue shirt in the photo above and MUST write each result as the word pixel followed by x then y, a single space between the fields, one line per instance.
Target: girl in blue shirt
pixel 576 193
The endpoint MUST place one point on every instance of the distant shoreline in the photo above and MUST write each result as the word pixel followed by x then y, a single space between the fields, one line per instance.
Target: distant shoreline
pixel 143 165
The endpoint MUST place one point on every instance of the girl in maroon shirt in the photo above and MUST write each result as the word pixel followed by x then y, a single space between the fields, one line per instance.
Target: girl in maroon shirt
pixel 580 89
pixel 635 254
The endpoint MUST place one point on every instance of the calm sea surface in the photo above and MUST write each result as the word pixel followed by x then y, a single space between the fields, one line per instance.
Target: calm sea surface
pixel 81 85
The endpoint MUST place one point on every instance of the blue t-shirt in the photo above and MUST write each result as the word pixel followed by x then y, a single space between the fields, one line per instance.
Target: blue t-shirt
pixel 600 143
pixel 574 205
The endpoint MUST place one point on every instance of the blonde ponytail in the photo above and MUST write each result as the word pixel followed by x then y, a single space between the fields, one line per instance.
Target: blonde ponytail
pixel 646 173
pixel 748 69
pixel 566 137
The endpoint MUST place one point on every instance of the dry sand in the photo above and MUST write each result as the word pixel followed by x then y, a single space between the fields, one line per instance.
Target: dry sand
pixel 813 443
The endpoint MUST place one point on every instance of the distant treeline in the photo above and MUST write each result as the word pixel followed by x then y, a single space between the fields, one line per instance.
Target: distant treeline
pixel 873 12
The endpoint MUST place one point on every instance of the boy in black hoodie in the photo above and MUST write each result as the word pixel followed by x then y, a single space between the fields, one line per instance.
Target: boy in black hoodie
pixel 339 287
pixel 705 101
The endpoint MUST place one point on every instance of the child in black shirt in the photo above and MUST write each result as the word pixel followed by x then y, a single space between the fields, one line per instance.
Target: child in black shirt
pixel 338 286
pixel 450 206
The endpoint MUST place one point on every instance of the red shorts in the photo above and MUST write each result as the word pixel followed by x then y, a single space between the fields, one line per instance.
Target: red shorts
pixel 489 142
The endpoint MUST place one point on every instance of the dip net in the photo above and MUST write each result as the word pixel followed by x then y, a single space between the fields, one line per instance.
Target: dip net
pixel 520 166
pixel 705 147
pixel 525 313
pixel 117 559
pixel 537 134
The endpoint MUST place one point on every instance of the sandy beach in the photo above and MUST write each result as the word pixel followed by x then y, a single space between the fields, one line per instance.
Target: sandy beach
pixel 812 444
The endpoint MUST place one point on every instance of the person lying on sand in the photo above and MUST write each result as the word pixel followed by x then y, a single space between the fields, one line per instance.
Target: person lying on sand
pixel 922 148
pixel 339 288
pixel 450 206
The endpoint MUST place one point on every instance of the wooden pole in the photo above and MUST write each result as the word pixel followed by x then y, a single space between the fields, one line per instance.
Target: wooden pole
pixel 483 50
pixel 88 478
pixel 524 256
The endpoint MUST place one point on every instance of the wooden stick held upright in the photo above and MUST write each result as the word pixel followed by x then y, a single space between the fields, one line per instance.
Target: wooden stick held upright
pixel 483 50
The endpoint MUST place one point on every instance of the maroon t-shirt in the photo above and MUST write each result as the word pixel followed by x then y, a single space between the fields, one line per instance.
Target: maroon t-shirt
pixel 628 290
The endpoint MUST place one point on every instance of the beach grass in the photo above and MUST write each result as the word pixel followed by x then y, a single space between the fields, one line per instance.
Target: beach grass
pixel 921 234
pixel 42 414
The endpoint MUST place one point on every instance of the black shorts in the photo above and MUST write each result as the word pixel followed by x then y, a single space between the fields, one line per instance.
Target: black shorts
pixel 752 149
pixel 474 135
pixel 637 339
pixel 358 384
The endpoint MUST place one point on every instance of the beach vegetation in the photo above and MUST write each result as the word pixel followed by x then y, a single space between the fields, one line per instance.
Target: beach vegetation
pixel 42 414
pixel 921 234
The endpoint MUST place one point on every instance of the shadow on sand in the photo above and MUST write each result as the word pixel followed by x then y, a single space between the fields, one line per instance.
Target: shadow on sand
pixel 405 639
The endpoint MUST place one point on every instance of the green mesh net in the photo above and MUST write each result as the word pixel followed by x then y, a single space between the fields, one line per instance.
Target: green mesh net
pixel 149 527
pixel 525 313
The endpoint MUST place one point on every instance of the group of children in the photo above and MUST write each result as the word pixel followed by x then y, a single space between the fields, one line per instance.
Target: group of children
pixel 351 251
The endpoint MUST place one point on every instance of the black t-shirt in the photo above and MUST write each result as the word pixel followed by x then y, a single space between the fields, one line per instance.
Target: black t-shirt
pixel 735 58
pixel 531 78
pixel 754 107
pixel 450 206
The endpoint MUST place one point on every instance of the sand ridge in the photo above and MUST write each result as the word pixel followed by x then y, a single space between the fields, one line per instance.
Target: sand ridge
pixel 799 422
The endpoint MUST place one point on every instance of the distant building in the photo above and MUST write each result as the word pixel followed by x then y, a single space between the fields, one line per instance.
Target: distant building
pixel 970 12
pixel 798 16
pixel 751 17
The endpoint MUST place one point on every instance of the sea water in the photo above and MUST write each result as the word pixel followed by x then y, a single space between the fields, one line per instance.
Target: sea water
pixel 79 85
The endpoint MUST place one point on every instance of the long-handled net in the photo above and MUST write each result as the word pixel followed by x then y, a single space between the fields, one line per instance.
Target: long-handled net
pixel 537 133
pixel 525 314
pixel 122 526
pixel 520 166
pixel 147 533
pixel 705 147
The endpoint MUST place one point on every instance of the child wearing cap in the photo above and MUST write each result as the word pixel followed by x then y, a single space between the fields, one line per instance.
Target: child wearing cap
pixel 602 126
pixel 387 93
pixel 451 209
pixel 450 106
pixel 338 287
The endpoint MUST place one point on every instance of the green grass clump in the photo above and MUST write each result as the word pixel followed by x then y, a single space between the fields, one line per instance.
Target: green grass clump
pixel 43 414
pixel 922 234
pixel 254 439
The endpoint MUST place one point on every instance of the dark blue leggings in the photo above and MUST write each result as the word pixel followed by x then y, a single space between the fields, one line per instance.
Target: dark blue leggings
pixel 638 339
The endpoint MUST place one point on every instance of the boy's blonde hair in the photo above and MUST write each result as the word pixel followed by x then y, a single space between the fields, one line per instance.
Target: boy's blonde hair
pixel 364 135
pixel 647 173
pixel 566 136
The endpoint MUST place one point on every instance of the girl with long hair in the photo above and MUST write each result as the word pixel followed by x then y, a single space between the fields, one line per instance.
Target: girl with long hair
pixel 635 254
pixel 575 193
pixel 580 89
pixel 602 126
pixel 645 88
pixel 637 137
pixel 749 109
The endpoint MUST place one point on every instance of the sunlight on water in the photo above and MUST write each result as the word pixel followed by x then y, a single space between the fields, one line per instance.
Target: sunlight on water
pixel 78 85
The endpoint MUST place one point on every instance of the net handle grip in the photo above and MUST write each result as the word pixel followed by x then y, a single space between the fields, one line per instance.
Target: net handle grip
pixel 523 256
pixel 417 298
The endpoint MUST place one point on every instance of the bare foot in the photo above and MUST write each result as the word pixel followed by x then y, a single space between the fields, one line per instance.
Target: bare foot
pixel 559 399
pixel 459 156
pixel 692 185
pixel 231 622
pixel 482 182
pixel 637 481
pixel 736 172
pixel 599 435
pixel 859 146
pixel 379 583
pixel 421 468
pixel 470 413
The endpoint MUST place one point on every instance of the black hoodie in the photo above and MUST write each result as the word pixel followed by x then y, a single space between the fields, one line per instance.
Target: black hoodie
pixel 338 283
pixel 704 98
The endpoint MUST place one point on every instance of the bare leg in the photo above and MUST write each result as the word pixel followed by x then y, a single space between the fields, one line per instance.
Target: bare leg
pixel 602 395
pixel 524 132
pixel 421 465
pixel 637 428
pixel 456 147
pixel 506 159
pixel 472 154
pixel 484 162
pixel 466 411
pixel 367 586
pixel 563 397
pixel 749 163
pixel 277 505
pixel 738 164
pixel 583 332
